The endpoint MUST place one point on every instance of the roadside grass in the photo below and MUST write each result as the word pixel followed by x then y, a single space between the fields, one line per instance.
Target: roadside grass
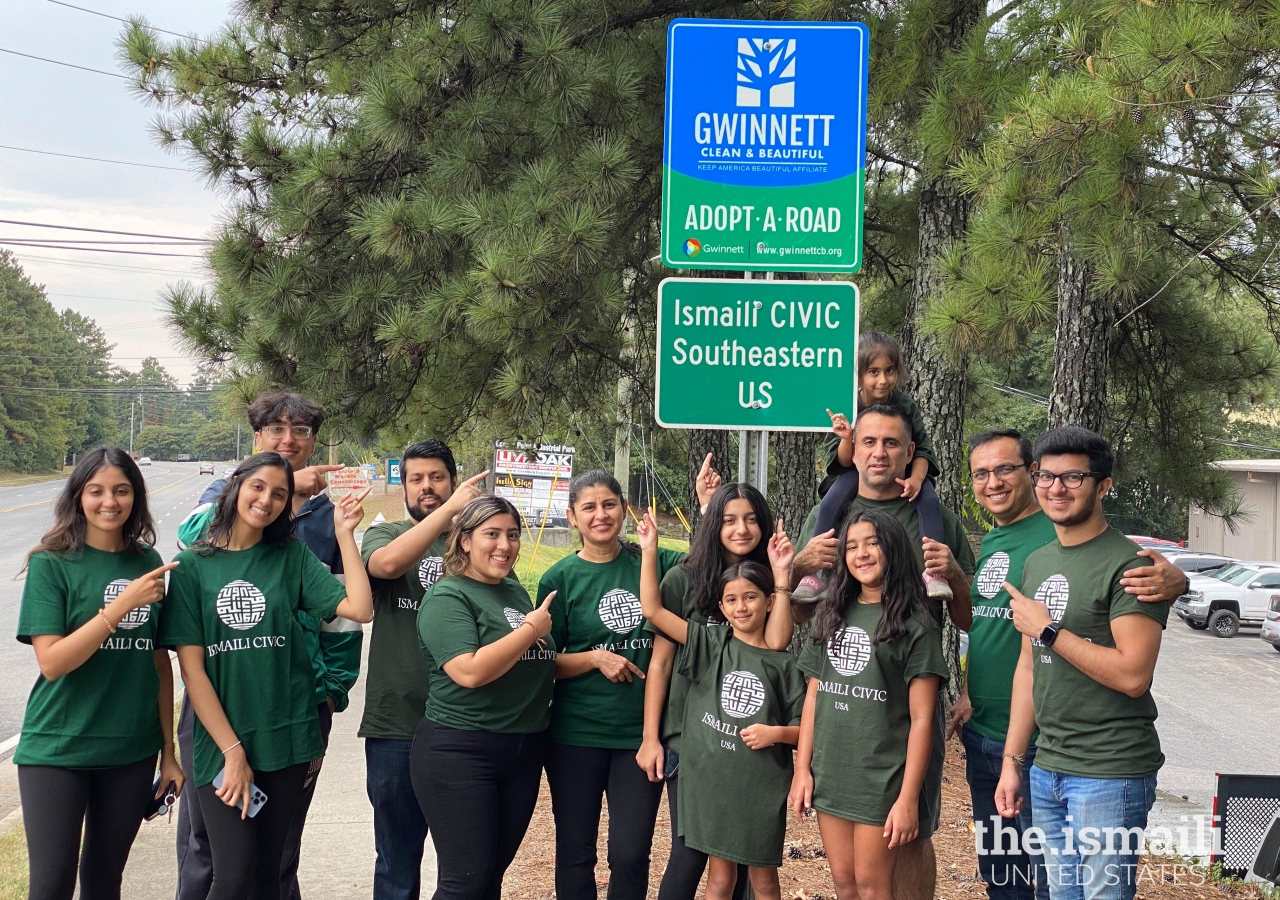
pixel 9 479
pixel 13 865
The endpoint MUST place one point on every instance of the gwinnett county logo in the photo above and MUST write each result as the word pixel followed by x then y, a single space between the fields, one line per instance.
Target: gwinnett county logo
pixel 993 575
pixel 741 694
pixel 849 650
pixel 514 619
pixel 429 571
pixel 135 617
pixel 692 247
pixel 767 70
pixel 1053 593
pixel 241 605
pixel 620 611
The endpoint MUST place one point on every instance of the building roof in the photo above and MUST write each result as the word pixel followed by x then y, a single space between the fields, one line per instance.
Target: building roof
pixel 1249 465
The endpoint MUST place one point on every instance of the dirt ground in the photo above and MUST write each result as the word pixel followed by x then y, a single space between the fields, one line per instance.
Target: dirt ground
pixel 804 874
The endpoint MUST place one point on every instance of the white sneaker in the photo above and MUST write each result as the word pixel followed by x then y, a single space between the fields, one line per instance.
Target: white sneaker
pixel 937 587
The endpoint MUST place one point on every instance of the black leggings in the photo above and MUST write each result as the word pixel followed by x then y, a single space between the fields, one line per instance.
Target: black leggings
pixel 686 865
pixel 578 777
pixel 247 852
pixel 477 790
pixel 57 803
pixel 831 510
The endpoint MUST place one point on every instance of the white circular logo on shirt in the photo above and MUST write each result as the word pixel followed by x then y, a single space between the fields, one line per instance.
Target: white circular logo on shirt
pixel 516 619
pixel 741 694
pixel 849 650
pixel 1053 593
pixel 241 605
pixel 993 575
pixel 429 571
pixel 135 617
pixel 620 611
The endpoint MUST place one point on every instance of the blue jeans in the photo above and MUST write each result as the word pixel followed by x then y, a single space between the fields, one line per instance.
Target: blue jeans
pixel 399 828
pixel 1009 876
pixel 1092 832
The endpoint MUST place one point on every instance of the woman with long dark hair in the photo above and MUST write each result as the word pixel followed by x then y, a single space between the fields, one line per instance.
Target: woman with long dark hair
pixel 737 526
pixel 231 615
pixel 597 715
pixel 874 667
pixel 102 707
pixel 477 754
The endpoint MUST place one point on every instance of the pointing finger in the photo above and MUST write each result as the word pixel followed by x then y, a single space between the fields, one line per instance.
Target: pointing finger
pixel 474 479
pixel 157 573
pixel 328 468
pixel 547 602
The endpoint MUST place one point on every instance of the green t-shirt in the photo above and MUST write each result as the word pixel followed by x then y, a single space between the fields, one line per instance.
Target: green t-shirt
pixel 460 615
pixel 862 717
pixel 994 644
pixel 241 606
pixel 1087 729
pixel 733 799
pixel 597 607
pixel 104 712
pixel 396 686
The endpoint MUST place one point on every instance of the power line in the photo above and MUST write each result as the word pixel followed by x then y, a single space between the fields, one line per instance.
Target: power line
pixel 166 237
pixel 67 64
pixel 94 12
pixel 209 389
pixel 94 297
pixel 97 249
pixel 118 162
pixel 78 241
pixel 110 267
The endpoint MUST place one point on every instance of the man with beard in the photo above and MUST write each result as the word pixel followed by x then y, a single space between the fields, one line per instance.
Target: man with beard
pixel 1089 651
pixel 404 559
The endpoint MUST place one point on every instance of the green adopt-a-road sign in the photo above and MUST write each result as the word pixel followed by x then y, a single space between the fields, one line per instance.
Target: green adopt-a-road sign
pixel 767 355
pixel 764 145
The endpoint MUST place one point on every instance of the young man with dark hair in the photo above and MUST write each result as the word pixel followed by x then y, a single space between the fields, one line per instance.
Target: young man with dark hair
pixel 289 425
pixel 1000 465
pixel 404 559
pixel 1083 678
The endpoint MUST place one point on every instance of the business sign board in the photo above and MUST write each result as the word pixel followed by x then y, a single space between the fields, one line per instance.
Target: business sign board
pixel 393 471
pixel 772 355
pixel 346 481
pixel 535 477
pixel 764 145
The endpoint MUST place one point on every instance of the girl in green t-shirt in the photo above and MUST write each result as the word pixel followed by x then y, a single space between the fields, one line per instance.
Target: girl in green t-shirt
pixel 597 714
pixel 103 705
pixel 874 667
pixel 232 615
pixel 741 715
pixel 477 755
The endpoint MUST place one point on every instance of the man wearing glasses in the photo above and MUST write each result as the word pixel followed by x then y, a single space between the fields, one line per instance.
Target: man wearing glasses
pixel 1083 677
pixel 1001 468
pixel 289 424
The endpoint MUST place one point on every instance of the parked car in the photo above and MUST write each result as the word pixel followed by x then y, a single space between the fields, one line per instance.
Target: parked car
pixel 1198 563
pixel 206 468
pixel 1154 543
pixel 1239 594
pixel 1271 627
pixel 145 461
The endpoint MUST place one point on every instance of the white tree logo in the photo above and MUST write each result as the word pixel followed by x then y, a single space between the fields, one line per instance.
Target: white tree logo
pixel 766 69
pixel 429 571
pixel 1053 593
pixel 741 694
pixel 620 611
pixel 514 618
pixel 135 617
pixel 849 650
pixel 241 605
pixel 993 575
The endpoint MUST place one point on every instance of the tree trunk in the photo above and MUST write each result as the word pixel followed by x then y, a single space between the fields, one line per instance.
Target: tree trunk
pixel 701 442
pixel 794 476
pixel 1082 352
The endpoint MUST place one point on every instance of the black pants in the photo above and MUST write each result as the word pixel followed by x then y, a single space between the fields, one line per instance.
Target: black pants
pixel 477 790
pixel 293 843
pixel 57 803
pixel 831 510
pixel 686 865
pixel 578 777
pixel 247 852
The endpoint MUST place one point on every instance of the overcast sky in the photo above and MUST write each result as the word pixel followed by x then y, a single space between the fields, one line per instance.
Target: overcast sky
pixel 51 108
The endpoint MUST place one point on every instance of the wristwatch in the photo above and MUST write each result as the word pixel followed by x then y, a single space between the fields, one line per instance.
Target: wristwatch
pixel 1050 634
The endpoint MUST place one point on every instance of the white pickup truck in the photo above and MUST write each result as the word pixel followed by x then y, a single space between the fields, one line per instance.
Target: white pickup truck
pixel 1239 594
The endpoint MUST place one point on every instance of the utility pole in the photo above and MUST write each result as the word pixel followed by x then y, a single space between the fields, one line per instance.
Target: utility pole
pixel 237 442
pixel 131 428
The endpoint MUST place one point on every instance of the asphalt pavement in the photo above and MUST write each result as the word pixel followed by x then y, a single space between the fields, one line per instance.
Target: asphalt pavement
pixel 26 513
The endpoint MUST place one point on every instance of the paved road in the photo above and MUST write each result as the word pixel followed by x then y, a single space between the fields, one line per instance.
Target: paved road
pixel 26 512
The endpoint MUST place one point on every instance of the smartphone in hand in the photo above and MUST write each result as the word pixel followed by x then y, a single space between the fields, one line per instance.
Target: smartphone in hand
pixel 257 799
